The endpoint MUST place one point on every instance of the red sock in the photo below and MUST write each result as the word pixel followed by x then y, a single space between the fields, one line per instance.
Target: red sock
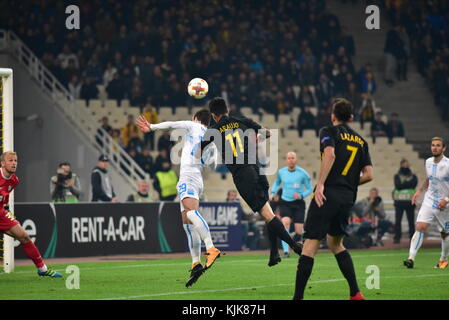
pixel 32 252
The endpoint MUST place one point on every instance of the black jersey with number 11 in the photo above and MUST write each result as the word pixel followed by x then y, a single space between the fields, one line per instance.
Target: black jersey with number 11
pixel 351 155
pixel 236 142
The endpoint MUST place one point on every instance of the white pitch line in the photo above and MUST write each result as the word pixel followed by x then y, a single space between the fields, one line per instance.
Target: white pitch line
pixel 227 262
pixel 260 287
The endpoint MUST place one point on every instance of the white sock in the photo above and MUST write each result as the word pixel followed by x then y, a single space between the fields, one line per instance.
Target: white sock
pixel 201 227
pixel 194 242
pixel 43 269
pixel 444 248
pixel 415 244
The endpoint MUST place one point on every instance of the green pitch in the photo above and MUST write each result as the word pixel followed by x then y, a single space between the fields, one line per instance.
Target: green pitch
pixel 234 278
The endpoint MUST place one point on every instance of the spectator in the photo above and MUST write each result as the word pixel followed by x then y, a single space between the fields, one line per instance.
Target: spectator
pixel 145 161
pixel 378 127
pixel 151 115
pixel 306 98
pixel 116 89
pixel 75 87
pixel 405 183
pixel 129 131
pixel 164 142
pixel 65 186
pixel 162 157
pixel 102 190
pixel 66 56
pixel 324 91
pixel 372 216
pixel 369 86
pixel 165 181
pixel 89 90
pixel 142 195
pixel 106 127
pixel 135 143
pixel 366 112
pixel 306 120
pixel 395 128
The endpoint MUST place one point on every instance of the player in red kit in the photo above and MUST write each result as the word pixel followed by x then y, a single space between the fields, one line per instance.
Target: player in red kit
pixel 8 224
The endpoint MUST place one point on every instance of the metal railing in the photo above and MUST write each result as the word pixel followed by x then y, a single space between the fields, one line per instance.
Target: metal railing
pixel 78 116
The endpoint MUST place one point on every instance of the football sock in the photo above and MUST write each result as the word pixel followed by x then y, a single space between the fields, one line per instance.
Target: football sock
pixel 444 248
pixel 194 240
pixel 273 242
pixel 305 265
pixel 285 245
pixel 415 244
pixel 32 252
pixel 276 226
pixel 347 269
pixel 201 227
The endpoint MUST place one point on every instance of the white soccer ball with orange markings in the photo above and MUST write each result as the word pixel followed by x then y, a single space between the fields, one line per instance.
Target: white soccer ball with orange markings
pixel 198 88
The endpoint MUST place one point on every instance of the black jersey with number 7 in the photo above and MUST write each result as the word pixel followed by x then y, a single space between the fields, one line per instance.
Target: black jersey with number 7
pixel 351 156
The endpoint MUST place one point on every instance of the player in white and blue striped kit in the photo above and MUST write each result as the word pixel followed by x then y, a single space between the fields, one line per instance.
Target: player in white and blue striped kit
pixel 434 206
pixel 190 188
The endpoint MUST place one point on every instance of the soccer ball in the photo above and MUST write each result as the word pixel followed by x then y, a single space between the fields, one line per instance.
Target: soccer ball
pixel 198 88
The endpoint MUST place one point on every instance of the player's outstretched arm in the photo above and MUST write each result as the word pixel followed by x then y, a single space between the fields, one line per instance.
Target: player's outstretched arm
pixel 367 175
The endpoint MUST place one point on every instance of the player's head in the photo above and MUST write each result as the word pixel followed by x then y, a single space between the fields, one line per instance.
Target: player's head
pixel 8 160
pixel 218 108
pixel 202 116
pixel 342 111
pixel 291 159
pixel 438 146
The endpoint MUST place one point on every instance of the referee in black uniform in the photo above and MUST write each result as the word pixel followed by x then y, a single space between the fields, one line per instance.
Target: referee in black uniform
pixel 344 156
pixel 236 139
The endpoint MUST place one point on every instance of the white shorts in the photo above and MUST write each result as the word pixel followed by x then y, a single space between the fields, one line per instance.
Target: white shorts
pixel 428 215
pixel 189 187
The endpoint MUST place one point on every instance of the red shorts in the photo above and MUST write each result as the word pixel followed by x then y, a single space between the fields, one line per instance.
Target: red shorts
pixel 7 221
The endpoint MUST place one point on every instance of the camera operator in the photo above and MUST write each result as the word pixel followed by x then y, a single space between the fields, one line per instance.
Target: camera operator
pixel 65 186
pixel 371 210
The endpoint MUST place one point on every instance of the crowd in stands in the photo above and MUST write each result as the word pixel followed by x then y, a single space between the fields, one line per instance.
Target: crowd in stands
pixel 425 25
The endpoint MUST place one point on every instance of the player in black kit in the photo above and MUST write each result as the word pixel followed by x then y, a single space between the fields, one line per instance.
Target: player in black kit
pixel 236 139
pixel 344 155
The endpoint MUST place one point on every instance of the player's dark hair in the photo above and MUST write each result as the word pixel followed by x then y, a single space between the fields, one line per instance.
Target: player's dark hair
pixel 342 109
pixel 203 116
pixel 218 106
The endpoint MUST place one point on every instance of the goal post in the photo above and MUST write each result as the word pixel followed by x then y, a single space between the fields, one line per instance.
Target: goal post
pixel 7 144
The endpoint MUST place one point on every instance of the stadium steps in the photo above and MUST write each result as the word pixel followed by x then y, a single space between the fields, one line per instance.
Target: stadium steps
pixel 412 99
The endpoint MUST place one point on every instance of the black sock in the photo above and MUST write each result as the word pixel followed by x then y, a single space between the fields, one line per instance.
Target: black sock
pixel 305 265
pixel 276 226
pixel 347 269
pixel 273 242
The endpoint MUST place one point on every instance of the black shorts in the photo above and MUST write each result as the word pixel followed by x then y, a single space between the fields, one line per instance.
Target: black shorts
pixel 295 210
pixel 332 218
pixel 252 186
